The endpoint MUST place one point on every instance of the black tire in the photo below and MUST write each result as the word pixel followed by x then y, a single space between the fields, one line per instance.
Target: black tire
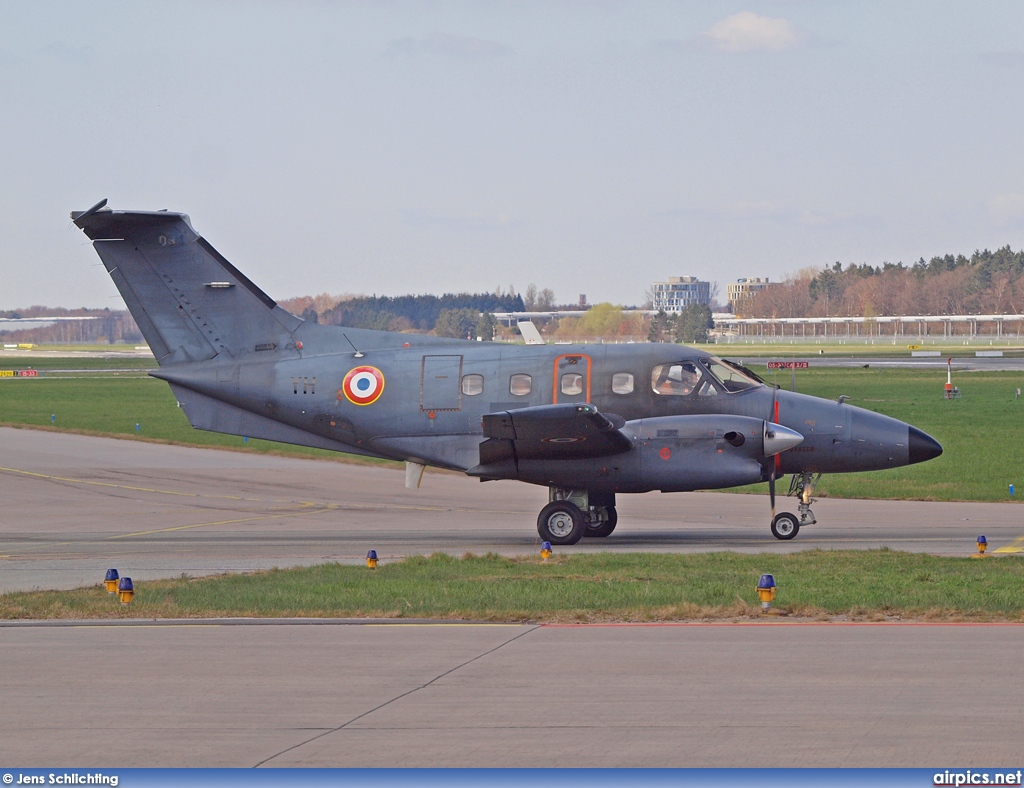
pixel 561 522
pixel 605 528
pixel 785 526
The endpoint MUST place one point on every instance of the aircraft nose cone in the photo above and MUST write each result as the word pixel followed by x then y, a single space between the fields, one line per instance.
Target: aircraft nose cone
pixel 778 438
pixel 922 446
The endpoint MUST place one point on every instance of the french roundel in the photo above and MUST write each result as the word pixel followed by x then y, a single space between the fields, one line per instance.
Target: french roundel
pixel 363 385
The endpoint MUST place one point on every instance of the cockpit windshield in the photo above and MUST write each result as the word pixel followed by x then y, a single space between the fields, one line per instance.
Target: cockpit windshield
pixel 732 377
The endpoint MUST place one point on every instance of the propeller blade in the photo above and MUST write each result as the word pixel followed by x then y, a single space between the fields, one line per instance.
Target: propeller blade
pixel 771 491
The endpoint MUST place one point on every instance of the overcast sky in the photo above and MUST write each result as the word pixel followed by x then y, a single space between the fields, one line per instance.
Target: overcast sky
pixel 397 147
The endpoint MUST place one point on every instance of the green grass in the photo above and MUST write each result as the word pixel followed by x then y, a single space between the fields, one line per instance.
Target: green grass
pixel 871 585
pixel 980 432
pixel 83 363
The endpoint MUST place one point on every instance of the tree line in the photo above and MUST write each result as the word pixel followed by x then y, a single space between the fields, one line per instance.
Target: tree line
pixel 690 325
pixel 112 326
pixel 985 283
pixel 413 312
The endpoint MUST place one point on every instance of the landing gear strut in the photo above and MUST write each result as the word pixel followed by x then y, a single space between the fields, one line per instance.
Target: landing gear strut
pixel 573 514
pixel 786 525
pixel 802 487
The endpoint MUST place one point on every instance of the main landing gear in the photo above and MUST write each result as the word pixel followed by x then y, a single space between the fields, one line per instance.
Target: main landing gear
pixel 573 514
pixel 786 525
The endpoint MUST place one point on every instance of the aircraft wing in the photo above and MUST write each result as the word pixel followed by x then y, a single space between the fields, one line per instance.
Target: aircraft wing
pixel 570 431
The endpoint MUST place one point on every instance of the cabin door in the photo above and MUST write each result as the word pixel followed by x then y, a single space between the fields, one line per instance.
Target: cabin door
pixel 440 383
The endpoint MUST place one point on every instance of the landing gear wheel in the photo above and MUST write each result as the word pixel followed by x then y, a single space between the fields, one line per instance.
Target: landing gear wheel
pixel 561 522
pixel 606 527
pixel 785 526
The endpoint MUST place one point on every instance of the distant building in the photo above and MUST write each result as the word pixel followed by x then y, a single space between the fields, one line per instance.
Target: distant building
pixel 679 292
pixel 741 292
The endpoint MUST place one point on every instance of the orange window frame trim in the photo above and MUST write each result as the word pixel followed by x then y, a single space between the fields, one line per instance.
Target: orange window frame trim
pixel 557 387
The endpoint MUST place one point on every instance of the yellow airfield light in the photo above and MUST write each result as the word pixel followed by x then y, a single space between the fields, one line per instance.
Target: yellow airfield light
pixel 125 590
pixel 766 591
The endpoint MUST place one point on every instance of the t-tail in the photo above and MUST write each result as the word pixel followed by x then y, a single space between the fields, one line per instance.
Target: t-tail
pixel 190 303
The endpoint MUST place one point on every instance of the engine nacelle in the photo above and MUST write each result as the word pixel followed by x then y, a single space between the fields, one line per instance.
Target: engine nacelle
pixel 681 453
pixel 669 453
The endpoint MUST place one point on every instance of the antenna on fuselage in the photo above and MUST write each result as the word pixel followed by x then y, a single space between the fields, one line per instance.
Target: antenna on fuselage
pixel 358 354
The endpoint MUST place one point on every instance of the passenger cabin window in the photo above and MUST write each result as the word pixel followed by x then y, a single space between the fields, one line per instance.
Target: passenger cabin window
pixel 675 380
pixel 472 385
pixel 520 385
pixel 732 379
pixel 622 383
pixel 572 383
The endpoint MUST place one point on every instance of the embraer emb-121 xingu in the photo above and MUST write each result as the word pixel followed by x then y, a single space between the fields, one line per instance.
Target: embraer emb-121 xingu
pixel 587 421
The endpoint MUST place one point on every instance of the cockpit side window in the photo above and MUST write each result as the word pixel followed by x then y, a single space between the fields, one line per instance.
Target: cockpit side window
pixel 731 378
pixel 675 380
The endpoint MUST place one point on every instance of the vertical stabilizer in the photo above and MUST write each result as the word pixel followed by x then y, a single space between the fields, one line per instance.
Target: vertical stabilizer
pixel 190 303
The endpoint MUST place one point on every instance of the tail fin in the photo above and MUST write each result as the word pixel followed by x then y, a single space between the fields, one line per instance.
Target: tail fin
pixel 190 303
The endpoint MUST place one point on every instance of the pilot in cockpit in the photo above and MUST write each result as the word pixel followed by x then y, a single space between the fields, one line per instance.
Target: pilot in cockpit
pixel 675 379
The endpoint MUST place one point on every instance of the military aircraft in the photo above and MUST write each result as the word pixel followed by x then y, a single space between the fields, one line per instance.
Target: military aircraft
pixel 588 422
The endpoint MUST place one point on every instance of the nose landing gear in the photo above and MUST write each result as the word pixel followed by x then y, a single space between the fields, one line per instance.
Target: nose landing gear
pixel 786 525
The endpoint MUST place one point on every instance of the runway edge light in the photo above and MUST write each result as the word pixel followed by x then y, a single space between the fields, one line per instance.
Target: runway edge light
pixel 766 591
pixel 125 590
pixel 982 545
pixel 545 551
pixel 110 581
pixel 371 559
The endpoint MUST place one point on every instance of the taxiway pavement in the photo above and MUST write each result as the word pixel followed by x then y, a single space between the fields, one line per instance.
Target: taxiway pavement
pixel 74 506
pixel 334 694
pixel 329 693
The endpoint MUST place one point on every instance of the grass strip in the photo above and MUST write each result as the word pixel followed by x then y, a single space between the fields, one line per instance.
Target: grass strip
pixel 604 587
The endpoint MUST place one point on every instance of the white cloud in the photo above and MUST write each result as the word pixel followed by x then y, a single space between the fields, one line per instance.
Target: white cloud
pixel 1007 209
pixel 758 209
pixel 813 218
pixel 750 32
pixel 449 44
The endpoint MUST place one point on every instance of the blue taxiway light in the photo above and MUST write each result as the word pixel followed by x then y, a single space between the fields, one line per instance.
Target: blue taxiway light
pixel 125 590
